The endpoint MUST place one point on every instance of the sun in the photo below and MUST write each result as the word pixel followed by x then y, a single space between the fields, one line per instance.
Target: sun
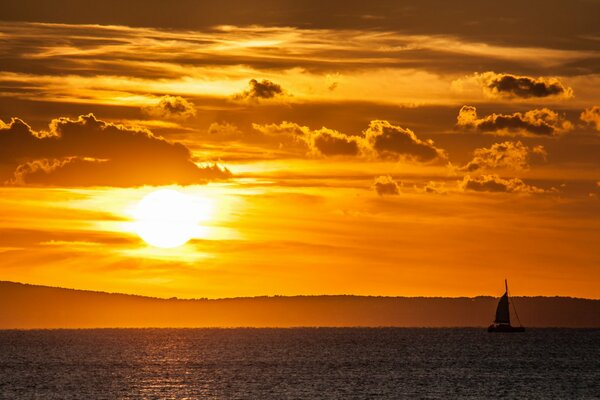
pixel 168 218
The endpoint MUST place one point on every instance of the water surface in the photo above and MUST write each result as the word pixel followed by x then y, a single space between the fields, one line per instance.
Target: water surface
pixel 327 363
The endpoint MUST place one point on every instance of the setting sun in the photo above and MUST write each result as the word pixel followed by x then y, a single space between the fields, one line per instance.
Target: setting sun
pixel 293 165
pixel 167 218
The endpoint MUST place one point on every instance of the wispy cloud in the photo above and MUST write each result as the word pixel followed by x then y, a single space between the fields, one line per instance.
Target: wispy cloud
pixel 114 64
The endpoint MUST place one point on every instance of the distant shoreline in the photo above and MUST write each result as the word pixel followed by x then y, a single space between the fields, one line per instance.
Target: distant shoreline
pixel 288 296
pixel 24 306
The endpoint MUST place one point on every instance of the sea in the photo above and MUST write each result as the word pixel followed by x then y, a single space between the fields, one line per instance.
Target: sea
pixel 299 363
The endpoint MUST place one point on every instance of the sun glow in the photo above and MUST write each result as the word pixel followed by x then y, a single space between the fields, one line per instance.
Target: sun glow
pixel 167 218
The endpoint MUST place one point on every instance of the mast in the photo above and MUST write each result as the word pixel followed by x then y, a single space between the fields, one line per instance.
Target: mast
pixel 506 285
pixel 512 303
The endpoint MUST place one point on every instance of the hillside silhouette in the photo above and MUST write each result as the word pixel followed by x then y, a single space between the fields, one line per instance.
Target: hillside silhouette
pixel 24 306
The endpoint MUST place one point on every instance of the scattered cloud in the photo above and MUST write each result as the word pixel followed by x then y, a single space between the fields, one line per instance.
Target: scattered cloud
pixel 591 116
pixel 290 139
pixel 253 143
pixel 329 142
pixel 260 90
pixel 321 142
pixel 505 155
pixel 537 122
pixel 435 187
pixel 386 185
pixel 391 141
pixel 225 131
pixel 90 152
pixel 284 128
pixel 525 87
pixel 171 107
pixel 494 183
pixel 381 140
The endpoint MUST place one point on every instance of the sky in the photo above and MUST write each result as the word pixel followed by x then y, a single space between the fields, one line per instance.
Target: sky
pixel 374 148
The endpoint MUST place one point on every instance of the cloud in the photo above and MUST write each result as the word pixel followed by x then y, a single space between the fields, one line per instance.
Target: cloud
pixel 283 129
pixel 225 131
pixel 261 142
pixel 171 107
pixel 386 185
pixel 537 122
pixel 321 142
pixel 591 116
pixel 435 187
pixel 90 152
pixel 262 90
pixel 505 155
pixel 329 142
pixel 121 65
pixel 392 142
pixel 493 183
pixel 381 140
pixel 514 86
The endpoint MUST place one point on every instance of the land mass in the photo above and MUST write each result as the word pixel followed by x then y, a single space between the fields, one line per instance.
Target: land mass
pixel 24 306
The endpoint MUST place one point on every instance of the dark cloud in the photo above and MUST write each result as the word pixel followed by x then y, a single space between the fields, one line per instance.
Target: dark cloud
pixel 328 142
pixel 262 90
pixel 591 116
pixel 381 140
pixel 89 152
pixel 390 141
pixel 171 107
pixel 507 85
pixel 494 183
pixel 505 155
pixel 386 185
pixel 537 122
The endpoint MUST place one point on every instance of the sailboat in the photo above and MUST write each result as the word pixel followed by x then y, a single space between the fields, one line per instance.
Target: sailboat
pixel 502 321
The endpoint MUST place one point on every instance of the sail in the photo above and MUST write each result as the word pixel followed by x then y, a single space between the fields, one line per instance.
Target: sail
pixel 503 312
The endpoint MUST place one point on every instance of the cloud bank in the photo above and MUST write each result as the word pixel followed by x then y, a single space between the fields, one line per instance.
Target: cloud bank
pixel 90 152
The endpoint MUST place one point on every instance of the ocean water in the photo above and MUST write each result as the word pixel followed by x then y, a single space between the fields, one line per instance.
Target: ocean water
pixel 321 363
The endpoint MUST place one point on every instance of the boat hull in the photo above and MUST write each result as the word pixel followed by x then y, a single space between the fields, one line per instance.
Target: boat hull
pixel 502 328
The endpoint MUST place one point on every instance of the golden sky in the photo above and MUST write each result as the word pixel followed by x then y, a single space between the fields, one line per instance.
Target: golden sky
pixel 340 148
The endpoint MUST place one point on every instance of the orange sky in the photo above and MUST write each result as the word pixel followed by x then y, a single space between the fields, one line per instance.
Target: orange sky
pixel 341 151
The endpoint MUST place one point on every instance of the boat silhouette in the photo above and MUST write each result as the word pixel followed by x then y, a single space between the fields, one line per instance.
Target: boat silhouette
pixel 502 320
